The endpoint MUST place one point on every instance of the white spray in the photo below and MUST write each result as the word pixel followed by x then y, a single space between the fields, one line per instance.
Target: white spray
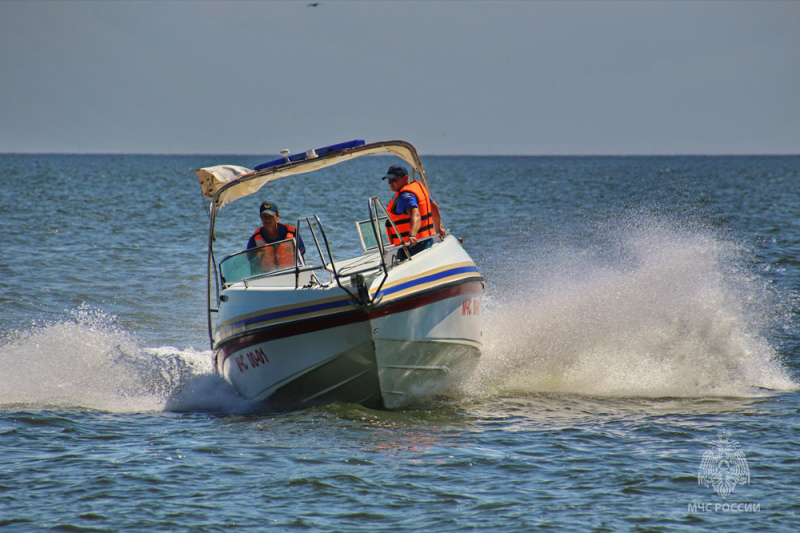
pixel 661 312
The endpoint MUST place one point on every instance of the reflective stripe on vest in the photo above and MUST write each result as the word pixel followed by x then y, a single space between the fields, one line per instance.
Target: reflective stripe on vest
pixel 403 221
pixel 281 256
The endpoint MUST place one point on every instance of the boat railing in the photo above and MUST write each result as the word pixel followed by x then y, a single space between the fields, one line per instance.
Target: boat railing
pixel 377 214
pixel 317 231
pixel 388 252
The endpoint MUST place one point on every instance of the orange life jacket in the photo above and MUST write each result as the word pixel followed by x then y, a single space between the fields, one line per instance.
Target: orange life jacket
pixel 403 221
pixel 275 257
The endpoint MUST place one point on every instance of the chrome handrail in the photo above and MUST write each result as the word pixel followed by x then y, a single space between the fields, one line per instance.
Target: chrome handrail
pixel 374 214
pixel 334 271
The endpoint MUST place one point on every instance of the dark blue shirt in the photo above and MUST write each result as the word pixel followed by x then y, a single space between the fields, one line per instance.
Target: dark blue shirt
pixel 405 201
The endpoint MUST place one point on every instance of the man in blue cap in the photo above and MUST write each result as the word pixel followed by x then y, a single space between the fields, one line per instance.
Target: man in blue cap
pixel 413 211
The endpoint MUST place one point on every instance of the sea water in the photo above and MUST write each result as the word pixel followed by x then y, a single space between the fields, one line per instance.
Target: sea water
pixel 640 367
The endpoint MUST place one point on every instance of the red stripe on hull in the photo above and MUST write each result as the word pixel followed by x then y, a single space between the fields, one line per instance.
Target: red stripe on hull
pixel 469 287
pixel 279 331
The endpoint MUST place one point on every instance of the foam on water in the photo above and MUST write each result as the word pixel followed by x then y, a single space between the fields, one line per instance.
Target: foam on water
pixel 654 310
pixel 87 361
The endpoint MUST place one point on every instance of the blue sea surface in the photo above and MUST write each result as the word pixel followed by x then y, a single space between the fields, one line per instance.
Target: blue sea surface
pixel 640 369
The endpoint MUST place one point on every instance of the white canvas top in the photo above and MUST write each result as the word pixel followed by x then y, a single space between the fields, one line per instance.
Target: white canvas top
pixel 225 183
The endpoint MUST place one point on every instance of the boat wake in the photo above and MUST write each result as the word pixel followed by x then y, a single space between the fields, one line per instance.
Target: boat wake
pixel 653 311
pixel 87 361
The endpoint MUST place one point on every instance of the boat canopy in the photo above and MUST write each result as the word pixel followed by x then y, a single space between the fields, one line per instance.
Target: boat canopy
pixel 225 183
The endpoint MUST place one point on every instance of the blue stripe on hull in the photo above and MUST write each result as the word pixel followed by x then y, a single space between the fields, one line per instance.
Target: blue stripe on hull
pixel 429 279
pixel 337 305
pixel 293 312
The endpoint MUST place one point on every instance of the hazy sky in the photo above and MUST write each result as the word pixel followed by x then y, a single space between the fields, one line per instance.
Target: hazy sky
pixel 450 77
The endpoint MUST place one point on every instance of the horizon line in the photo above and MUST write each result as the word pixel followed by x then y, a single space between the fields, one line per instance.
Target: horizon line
pixel 234 154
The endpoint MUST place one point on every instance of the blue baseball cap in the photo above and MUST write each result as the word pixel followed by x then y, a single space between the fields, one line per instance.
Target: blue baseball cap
pixel 395 171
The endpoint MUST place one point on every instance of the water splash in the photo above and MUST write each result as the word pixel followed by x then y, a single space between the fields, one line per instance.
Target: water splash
pixel 655 310
pixel 210 393
pixel 87 361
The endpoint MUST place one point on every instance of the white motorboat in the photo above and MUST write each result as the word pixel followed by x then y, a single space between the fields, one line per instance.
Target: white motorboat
pixel 381 329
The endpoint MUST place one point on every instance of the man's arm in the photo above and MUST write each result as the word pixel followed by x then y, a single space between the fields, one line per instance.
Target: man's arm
pixel 416 220
pixel 437 220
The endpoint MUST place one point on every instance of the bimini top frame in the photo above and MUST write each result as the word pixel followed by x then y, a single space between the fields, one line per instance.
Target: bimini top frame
pixel 225 184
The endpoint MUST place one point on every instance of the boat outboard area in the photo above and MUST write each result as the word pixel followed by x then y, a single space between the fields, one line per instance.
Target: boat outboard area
pixel 356 304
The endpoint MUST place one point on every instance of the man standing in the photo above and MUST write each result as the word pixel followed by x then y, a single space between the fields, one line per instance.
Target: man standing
pixel 412 210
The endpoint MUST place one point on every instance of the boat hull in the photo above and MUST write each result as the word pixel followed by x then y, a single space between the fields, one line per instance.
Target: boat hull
pixel 388 355
pixel 316 367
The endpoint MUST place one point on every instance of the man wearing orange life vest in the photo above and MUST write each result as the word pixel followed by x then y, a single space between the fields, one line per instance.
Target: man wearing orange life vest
pixel 413 211
pixel 273 231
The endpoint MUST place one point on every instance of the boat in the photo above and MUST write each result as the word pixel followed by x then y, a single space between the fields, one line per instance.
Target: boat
pixel 381 327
